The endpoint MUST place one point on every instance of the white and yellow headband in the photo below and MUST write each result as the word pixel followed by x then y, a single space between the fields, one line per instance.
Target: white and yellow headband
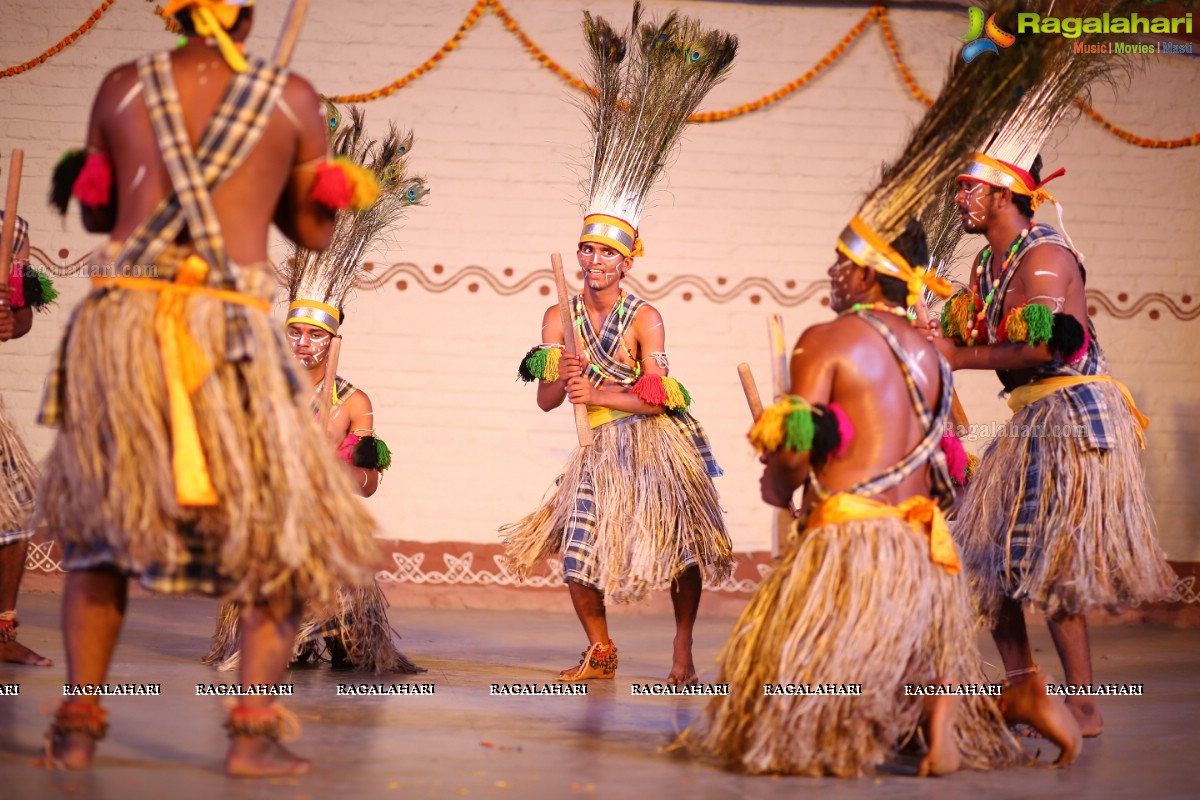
pixel 861 244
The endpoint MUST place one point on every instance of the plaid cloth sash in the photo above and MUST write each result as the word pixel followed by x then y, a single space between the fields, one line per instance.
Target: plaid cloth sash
pixel 928 450
pixel 1089 410
pixel 20 236
pixel 604 347
pixel 231 134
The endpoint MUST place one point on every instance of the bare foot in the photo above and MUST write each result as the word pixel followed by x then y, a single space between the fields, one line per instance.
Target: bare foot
pixel 17 653
pixel 943 756
pixel 258 757
pixel 1091 724
pixel 683 669
pixel 70 751
pixel 1027 702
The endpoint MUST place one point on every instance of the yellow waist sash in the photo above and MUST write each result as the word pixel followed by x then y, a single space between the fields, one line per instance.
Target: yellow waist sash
pixel 921 513
pixel 1039 390
pixel 185 368
pixel 599 415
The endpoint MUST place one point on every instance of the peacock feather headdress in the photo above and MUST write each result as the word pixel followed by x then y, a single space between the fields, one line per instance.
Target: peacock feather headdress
pixel 318 283
pixel 647 81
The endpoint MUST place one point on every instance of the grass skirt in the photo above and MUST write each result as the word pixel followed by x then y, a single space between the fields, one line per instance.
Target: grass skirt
pixel 287 528
pixel 18 478
pixel 854 603
pixel 1090 543
pixel 656 511
pixel 359 622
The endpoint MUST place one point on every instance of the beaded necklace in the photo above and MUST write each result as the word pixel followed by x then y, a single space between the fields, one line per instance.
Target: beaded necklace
pixel 884 308
pixel 596 368
pixel 976 332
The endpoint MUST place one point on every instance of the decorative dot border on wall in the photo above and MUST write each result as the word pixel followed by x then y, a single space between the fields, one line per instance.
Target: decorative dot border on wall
pixel 652 286
pixel 874 14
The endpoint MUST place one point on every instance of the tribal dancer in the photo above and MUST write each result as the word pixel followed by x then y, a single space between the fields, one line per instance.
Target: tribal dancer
pixel 1058 514
pixel 637 510
pixel 25 290
pixel 184 456
pixel 355 632
pixel 869 596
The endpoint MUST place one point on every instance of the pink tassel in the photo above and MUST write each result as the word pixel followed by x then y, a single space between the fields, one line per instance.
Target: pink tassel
pixel 1079 354
pixel 845 429
pixel 16 285
pixel 956 457
pixel 93 187
pixel 346 450
pixel 650 389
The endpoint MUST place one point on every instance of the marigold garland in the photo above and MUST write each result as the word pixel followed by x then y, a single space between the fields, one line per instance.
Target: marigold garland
pixel 63 43
pixel 874 14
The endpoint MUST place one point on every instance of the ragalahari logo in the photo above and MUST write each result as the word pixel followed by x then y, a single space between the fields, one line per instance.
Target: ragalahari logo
pixel 996 38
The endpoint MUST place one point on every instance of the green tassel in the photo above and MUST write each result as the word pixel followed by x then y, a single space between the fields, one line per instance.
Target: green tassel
pixel 383 453
pixel 535 364
pixel 798 429
pixel 687 397
pixel 1040 321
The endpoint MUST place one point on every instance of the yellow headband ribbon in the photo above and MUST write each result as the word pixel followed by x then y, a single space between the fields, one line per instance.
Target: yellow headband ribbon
pixel 994 172
pixel 613 232
pixel 214 18
pixel 312 312
pixel 861 244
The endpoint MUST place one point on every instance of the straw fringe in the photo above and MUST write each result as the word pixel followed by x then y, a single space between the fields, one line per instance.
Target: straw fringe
pixel 857 603
pixel 360 619
pixel 1093 542
pixel 288 525
pixel 656 506
pixel 18 478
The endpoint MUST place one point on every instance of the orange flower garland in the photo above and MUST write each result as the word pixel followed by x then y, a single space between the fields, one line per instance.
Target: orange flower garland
pixel 875 14
pixel 68 40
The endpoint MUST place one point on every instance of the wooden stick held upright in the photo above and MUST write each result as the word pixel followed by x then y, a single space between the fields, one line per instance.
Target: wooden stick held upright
pixel 292 23
pixel 582 428
pixel 9 232
pixel 784 517
pixel 779 359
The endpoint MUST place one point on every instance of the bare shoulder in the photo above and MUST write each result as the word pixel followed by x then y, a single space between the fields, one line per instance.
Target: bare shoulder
pixel 118 82
pixel 648 318
pixel 828 336
pixel 298 88
pixel 359 402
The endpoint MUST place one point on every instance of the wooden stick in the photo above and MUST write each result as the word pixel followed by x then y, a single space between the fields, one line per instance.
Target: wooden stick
pixel 582 428
pixel 779 360
pixel 958 415
pixel 784 517
pixel 292 23
pixel 9 231
pixel 329 382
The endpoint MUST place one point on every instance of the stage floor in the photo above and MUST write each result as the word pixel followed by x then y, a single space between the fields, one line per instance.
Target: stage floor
pixel 461 741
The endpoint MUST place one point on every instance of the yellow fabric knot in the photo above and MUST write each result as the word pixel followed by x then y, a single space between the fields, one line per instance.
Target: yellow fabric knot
pixel 185 367
pixel 638 249
pixel 1040 196
pixel 922 277
pixel 214 18
pixel 922 514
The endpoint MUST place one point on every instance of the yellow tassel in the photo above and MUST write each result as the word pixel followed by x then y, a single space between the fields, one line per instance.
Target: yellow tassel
pixel 1015 327
pixel 675 398
pixel 768 431
pixel 364 188
pixel 552 356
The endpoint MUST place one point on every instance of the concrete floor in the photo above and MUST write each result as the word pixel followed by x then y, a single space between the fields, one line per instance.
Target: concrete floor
pixel 461 742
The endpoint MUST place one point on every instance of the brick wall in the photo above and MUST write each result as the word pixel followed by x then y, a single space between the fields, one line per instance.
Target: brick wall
pixel 762 195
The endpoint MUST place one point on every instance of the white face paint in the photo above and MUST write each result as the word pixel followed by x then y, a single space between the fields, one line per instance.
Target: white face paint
pixel 970 205
pixel 601 265
pixel 839 285
pixel 309 344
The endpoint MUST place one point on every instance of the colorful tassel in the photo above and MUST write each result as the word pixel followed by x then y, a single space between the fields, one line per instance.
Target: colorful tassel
pixel 371 453
pixel 1069 340
pixel 1015 328
pixel 957 314
pixel 93 187
pixel 66 172
pixel 540 364
pixel 341 184
pixel 1039 321
pixel 956 457
pixel 16 287
pixel 662 391
pixel 787 424
pixel 972 466
pixel 39 290
pixel 346 449
pixel 845 429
